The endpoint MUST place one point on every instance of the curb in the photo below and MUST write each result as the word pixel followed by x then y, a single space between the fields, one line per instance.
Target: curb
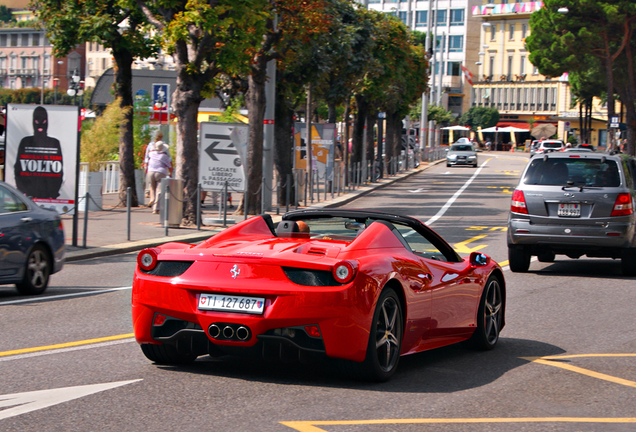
pixel 122 248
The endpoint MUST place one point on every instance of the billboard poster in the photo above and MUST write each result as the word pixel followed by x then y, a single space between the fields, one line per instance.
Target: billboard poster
pixel 222 150
pixel 323 140
pixel 41 153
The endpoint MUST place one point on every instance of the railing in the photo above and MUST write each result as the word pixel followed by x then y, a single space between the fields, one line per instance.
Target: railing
pixel 110 170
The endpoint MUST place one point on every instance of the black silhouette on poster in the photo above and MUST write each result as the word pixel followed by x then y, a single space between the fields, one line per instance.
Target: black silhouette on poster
pixel 39 168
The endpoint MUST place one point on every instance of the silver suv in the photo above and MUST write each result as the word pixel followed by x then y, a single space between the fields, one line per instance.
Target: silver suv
pixel 574 204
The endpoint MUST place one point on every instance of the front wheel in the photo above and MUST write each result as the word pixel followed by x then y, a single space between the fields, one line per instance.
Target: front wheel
pixel 385 339
pixel 37 272
pixel 489 316
pixel 518 259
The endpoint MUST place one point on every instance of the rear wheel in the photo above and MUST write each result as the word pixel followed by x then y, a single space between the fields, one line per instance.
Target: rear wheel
pixel 628 263
pixel 518 259
pixel 37 272
pixel 489 317
pixel 546 256
pixel 385 339
pixel 166 354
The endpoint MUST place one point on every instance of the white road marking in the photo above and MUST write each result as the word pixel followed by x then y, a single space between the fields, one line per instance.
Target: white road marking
pixel 31 401
pixel 450 202
pixel 57 297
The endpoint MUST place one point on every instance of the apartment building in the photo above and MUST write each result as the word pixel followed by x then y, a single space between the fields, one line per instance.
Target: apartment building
pixel 456 33
pixel 26 57
pixel 508 81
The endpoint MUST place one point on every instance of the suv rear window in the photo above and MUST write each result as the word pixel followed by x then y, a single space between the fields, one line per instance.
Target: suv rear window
pixel 552 145
pixel 574 172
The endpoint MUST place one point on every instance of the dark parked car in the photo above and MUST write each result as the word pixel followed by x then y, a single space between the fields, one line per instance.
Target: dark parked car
pixel 31 242
pixel 574 204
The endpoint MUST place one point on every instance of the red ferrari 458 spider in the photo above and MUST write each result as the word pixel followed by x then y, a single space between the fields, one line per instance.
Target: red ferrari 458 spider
pixel 362 286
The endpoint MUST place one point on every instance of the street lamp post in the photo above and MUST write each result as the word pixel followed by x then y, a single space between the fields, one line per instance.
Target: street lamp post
pixel 55 84
pixel 75 87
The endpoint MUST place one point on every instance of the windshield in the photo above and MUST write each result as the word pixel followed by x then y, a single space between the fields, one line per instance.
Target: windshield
pixel 574 172
pixel 461 147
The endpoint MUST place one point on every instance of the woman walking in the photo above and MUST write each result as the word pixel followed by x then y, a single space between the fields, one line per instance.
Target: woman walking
pixel 159 167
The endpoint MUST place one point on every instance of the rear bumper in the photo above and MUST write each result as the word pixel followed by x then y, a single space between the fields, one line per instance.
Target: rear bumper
pixel 342 322
pixel 603 239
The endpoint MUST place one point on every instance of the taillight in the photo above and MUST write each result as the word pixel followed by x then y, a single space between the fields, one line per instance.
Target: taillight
pixel 518 204
pixel 623 205
pixel 345 271
pixel 147 259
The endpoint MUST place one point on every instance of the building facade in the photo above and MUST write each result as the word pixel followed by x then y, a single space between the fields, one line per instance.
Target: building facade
pixel 456 35
pixel 506 79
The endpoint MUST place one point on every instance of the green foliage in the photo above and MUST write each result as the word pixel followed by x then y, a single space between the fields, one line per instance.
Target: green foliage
pixel 573 140
pixel 100 138
pixel 141 131
pixel 5 14
pixel 439 114
pixel 483 117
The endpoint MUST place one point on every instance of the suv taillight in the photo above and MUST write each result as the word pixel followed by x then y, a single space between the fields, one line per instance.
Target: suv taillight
pixel 623 205
pixel 518 204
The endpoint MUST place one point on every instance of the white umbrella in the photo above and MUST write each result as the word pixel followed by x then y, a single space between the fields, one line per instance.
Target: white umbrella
pixel 456 128
pixel 492 129
pixel 504 129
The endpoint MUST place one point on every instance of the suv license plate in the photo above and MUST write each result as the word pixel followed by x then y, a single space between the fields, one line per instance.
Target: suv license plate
pixel 569 210
pixel 230 303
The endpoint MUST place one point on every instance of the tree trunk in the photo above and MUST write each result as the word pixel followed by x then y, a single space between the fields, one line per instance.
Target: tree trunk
pixel 358 127
pixel 389 143
pixel 255 101
pixel 331 107
pixel 185 104
pixel 284 143
pixel 123 90
pixel 345 143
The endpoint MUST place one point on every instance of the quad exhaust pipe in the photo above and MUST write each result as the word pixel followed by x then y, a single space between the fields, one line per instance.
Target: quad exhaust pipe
pixel 230 332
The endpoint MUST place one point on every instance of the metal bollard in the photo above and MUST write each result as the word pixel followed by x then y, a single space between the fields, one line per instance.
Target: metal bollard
pixel 296 190
pixel 225 204
pixel 128 203
pixel 198 206
pixel 86 198
pixel 306 177
pixel 166 200
pixel 287 192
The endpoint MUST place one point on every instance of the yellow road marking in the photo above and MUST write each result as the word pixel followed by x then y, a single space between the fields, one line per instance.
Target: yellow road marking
pixel 66 345
pixel 462 247
pixel 583 371
pixel 503 263
pixel 312 426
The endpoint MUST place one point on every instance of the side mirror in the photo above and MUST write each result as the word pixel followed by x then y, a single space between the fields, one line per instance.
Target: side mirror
pixel 478 259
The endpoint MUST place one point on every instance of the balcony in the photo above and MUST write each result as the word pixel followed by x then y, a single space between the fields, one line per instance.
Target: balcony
pixel 453 82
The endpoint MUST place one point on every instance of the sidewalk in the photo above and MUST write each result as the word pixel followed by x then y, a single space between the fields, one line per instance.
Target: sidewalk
pixel 107 230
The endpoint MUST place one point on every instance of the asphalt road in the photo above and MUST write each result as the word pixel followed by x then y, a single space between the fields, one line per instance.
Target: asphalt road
pixel 566 360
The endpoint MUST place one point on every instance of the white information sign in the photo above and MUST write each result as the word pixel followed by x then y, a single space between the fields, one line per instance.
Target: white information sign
pixel 222 150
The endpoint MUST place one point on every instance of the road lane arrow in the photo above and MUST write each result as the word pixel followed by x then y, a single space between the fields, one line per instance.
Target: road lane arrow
pixel 31 401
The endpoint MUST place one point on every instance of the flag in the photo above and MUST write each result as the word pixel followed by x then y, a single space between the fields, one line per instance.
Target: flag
pixel 468 76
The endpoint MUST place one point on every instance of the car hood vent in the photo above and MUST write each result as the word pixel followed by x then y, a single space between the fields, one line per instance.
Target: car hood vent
pixel 317 251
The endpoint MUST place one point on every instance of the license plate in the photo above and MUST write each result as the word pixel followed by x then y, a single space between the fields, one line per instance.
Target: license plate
pixel 230 303
pixel 569 210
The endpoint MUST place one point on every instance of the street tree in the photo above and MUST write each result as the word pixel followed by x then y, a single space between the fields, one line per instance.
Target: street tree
pixel 560 42
pixel 206 39
pixel 479 117
pixel 118 25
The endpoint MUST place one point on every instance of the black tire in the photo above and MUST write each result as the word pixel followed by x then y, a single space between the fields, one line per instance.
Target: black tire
pixel 447 164
pixel 518 259
pixel 385 339
pixel 37 272
pixel 475 165
pixel 628 263
pixel 166 354
pixel 546 256
pixel 489 316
